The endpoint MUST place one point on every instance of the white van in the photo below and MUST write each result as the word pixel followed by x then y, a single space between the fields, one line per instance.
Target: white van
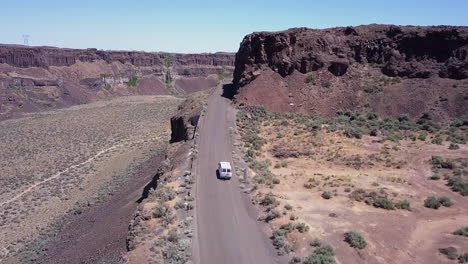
pixel 224 170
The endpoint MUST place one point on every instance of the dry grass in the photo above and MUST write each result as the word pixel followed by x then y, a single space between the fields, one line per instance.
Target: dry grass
pixel 52 161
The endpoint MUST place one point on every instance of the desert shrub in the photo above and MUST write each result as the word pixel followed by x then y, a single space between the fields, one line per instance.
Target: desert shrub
pixel 310 79
pixel 422 136
pixel 165 213
pixel 327 195
pixel 315 243
pixel 107 86
pixel 280 242
pixel 463 258
pixel 458 185
pixel 432 202
pixel 353 132
pixel 435 177
pixel 370 89
pixel 272 214
pixel 450 252
pixel 302 228
pixel 327 84
pixel 394 136
pixel 438 162
pixel 445 201
pixel 463 231
pixel 295 259
pixel 133 81
pixel 163 194
pixel 276 181
pixel 321 255
pixel 288 207
pixel 453 146
pixel 269 199
pixel 354 239
pixel 384 203
pixel 404 205
pixel 255 141
pixel 437 140
pixel 289 227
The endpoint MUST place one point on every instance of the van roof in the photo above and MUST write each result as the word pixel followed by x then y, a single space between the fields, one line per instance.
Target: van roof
pixel 225 164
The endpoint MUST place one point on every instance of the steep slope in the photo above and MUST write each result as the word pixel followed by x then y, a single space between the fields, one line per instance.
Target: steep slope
pixel 388 69
pixel 40 78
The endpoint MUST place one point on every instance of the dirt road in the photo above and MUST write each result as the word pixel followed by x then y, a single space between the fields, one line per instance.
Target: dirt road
pixel 226 229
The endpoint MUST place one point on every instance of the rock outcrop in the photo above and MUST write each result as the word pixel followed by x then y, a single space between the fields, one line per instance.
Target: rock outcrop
pixel 404 51
pixel 383 68
pixel 184 124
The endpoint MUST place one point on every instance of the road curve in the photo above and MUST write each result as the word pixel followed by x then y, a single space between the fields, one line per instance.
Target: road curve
pixel 226 229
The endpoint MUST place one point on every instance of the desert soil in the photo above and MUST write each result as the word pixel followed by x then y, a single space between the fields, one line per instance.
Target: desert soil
pixel 68 162
pixel 328 162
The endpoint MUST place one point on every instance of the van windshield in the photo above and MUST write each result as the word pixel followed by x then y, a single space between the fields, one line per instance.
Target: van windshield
pixel 228 170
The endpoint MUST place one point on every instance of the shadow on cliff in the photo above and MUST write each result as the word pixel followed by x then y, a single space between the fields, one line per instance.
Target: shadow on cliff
pixel 229 91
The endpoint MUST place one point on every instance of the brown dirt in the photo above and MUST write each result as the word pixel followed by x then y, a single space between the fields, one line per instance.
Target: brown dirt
pixel 98 235
pixel 397 236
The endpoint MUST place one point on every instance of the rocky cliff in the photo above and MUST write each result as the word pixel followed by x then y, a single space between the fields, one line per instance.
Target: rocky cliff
pixel 24 57
pixel 290 67
pixel 39 78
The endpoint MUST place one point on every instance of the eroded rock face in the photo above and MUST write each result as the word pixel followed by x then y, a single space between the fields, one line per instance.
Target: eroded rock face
pixel 24 57
pixel 404 51
pixel 185 122
pixel 390 70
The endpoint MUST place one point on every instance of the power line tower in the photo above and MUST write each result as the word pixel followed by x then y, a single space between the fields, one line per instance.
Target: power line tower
pixel 26 39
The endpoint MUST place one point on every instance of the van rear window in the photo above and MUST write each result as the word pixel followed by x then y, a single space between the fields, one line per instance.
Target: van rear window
pixel 224 170
pixel 228 170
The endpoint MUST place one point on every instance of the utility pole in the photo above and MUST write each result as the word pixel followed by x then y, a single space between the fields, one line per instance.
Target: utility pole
pixel 26 39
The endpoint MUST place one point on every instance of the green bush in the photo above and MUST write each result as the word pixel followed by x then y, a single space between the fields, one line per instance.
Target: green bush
pixel 404 205
pixel 432 202
pixel 461 231
pixel 133 81
pixel 445 201
pixel 273 214
pixel 302 228
pixel 327 195
pixel 458 185
pixel 315 243
pixel 437 140
pixel 288 207
pixel 280 242
pixel 310 79
pixel 463 258
pixel 353 132
pixel 435 177
pixel 422 136
pixel 453 146
pixel 355 240
pixel 370 89
pixel 269 199
pixel 384 203
pixel 327 84
pixel 107 86
pixel 322 255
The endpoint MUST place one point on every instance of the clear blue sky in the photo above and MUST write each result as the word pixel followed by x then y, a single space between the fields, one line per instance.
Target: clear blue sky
pixel 201 26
